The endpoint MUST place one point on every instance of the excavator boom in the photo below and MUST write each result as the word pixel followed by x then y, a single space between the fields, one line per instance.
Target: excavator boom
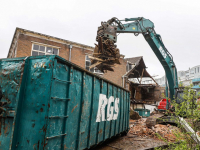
pixel 108 32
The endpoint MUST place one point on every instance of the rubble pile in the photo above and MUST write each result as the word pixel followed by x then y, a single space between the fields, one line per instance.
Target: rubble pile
pixel 134 115
pixel 105 55
pixel 167 132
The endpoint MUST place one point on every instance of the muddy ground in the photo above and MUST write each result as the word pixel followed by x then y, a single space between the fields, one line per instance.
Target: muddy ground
pixel 139 137
pixel 130 143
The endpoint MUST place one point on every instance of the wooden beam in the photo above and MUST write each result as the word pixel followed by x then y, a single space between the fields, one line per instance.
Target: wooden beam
pixel 141 76
pixel 92 66
pixel 95 58
pixel 154 80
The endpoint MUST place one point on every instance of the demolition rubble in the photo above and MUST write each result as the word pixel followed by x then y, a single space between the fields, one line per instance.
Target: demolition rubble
pixel 158 132
pixel 106 54
pixel 141 137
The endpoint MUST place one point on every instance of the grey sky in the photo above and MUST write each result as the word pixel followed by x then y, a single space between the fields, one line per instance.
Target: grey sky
pixel 77 20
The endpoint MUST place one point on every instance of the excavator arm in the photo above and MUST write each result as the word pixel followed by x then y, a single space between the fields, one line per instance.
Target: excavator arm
pixel 146 28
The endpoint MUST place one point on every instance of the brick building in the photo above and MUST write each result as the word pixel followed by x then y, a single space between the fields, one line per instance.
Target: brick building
pixel 29 43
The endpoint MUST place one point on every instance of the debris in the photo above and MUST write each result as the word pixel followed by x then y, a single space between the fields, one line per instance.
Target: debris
pixel 134 115
pixel 198 133
pixel 106 54
pixel 132 141
pixel 113 147
pixel 131 135
pixel 152 120
pixel 166 132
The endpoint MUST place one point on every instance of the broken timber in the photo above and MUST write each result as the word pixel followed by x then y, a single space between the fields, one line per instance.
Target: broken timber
pixel 106 54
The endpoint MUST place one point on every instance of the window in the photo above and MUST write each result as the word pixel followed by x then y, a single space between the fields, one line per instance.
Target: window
pixel 196 83
pixel 129 66
pixel 44 50
pixel 88 64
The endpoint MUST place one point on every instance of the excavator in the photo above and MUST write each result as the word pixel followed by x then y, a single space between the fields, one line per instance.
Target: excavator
pixel 106 53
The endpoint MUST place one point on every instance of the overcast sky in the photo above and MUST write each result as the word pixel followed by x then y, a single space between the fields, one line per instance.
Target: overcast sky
pixel 77 20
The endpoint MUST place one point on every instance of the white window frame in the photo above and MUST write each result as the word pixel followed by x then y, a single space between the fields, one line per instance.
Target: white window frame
pixel 100 73
pixel 45 45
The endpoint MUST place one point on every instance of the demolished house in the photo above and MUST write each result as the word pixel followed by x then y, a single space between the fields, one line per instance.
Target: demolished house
pixel 143 96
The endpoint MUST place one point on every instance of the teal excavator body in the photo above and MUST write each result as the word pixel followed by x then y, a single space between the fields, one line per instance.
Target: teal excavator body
pixel 146 28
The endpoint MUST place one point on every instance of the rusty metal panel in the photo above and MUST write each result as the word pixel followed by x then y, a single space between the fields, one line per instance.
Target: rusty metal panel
pixel 32 116
pixel 117 127
pixel 94 126
pixel 54 104
pixel 10 81
pixel 107 128
pixel 101 129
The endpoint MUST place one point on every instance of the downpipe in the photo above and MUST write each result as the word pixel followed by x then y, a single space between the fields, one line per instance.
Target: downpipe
pixel 124 81
pixel 70 52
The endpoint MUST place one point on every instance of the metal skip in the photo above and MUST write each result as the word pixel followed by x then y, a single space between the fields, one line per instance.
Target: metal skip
pixel 55 104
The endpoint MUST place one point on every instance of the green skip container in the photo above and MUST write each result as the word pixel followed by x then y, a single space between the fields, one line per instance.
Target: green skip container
pixel 49 103
pixel 143 112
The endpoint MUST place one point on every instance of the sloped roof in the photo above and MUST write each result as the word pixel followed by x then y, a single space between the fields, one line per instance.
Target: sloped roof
pixel 139 69
pixel 134 60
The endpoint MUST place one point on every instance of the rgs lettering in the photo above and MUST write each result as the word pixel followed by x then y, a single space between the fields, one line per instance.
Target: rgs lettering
pixel 112 111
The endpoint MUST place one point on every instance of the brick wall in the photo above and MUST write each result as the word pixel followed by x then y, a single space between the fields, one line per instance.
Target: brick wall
pixel 24 48
pixel 77 54
pixel 119 71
